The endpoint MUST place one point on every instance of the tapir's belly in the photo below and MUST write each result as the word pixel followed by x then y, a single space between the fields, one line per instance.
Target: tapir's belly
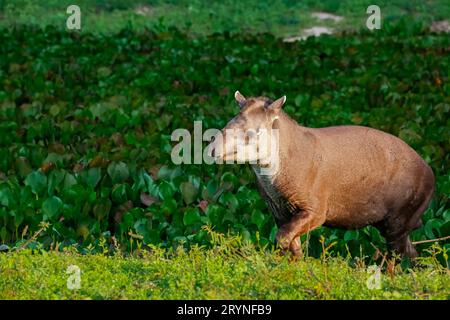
pixel 365 175
pixel 355 215
pixel 357 204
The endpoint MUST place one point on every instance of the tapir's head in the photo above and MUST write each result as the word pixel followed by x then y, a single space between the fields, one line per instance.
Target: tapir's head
pixel 249 136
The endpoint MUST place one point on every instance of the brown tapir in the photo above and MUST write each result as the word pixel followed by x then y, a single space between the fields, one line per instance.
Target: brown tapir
pixel 341 176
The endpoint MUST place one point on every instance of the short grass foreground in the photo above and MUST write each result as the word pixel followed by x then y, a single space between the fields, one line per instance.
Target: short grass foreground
pixel 218 273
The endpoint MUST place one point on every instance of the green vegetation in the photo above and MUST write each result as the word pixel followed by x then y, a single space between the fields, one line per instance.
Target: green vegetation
pixel 86 117
pixel 85 125
pixel 279 17
pixel 232 270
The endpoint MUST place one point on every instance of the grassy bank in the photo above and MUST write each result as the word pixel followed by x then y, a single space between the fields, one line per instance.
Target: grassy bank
pixel 219 273
pixel 279 17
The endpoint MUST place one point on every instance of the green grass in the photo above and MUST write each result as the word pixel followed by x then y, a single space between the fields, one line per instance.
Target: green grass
pixel 226 271
pixel 279 17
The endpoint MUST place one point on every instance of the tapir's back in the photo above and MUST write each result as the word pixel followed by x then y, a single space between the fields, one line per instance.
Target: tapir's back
pixel 365 173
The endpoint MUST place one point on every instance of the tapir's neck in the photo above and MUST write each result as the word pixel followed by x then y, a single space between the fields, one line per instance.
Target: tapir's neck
pixel 287 135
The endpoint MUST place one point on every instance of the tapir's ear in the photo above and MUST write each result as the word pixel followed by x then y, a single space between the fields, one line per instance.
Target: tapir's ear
pixel 277 104
pixel 240 99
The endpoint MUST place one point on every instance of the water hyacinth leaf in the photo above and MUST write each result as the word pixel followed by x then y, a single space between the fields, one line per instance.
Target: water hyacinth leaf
pixel 69 180
pixel 54 158
pixel 258 218
pixel 432 228
pixel 141 226
pixel 228 199
pixel 55 178
pixel 92 177
pixel 51 207
pixel 189 192
pixel 37 181
pixel 445 228
pixel 215 214
pixel 18 218
pixel 152 188
pixel 191 216
pixel 169 207
pixel 102 208
pixel 164 173
pixel 3 234
pixel 351 235
pixel 118 172
pixel 211 190
pixel 23 166
pixel 229 181
pixel 119 194
pixel 165 190
pixel 6 196
pixel 139 182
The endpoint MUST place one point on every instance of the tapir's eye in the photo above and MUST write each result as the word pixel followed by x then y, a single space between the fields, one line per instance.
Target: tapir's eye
pixel 251 133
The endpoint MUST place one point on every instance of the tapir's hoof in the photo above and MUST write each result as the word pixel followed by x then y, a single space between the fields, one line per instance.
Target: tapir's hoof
pixel 297 253
pixel 295 256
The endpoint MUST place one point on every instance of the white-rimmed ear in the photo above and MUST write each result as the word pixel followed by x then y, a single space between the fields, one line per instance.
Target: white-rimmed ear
pixel 277 104
pixel 240 99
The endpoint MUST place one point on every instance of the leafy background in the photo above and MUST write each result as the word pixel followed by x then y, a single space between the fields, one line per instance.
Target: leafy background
pixel 86 119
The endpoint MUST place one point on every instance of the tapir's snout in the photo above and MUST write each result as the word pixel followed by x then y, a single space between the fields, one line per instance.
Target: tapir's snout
pixel 215 148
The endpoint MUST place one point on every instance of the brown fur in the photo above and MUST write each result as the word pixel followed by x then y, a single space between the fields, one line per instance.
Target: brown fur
pixel 342 176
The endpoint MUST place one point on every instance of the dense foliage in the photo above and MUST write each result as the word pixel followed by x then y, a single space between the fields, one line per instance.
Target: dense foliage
pixel 85 125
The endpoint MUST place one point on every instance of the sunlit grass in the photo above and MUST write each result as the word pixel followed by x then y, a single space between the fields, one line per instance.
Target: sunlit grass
pixel 232 269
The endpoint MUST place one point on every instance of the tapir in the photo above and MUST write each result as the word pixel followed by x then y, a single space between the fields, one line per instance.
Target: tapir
pixel 340 176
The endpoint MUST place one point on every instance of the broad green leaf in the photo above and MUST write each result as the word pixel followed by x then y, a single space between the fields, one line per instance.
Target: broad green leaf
pixel 23 166
pixel 51 207
pixel 119 193
pixel 92 177
pixel 69 181
pixel 118 172
pixel 165 190
pixel 228 199
pixel 432 228
pixel 102 208
pixel 258 218
pixel 189 192
pixel 54 179
pixel 6 196
pixel 351 235
pixel 191 216
pixel 37 181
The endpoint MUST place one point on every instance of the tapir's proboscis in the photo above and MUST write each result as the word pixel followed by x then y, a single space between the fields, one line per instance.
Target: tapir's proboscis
pixel 341 176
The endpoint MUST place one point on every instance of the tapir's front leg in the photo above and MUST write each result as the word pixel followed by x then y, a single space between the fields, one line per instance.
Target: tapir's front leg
pixel 289 233
pixel 296 247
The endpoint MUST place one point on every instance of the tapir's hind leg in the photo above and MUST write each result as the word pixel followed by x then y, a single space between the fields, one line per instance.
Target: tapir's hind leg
pixel 397 239
pixel 397 227
pixel 404 246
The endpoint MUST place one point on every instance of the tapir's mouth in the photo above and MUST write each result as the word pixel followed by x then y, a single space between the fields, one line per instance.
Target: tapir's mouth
pixel 229 155
pixel 217 156
pixel 223 157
